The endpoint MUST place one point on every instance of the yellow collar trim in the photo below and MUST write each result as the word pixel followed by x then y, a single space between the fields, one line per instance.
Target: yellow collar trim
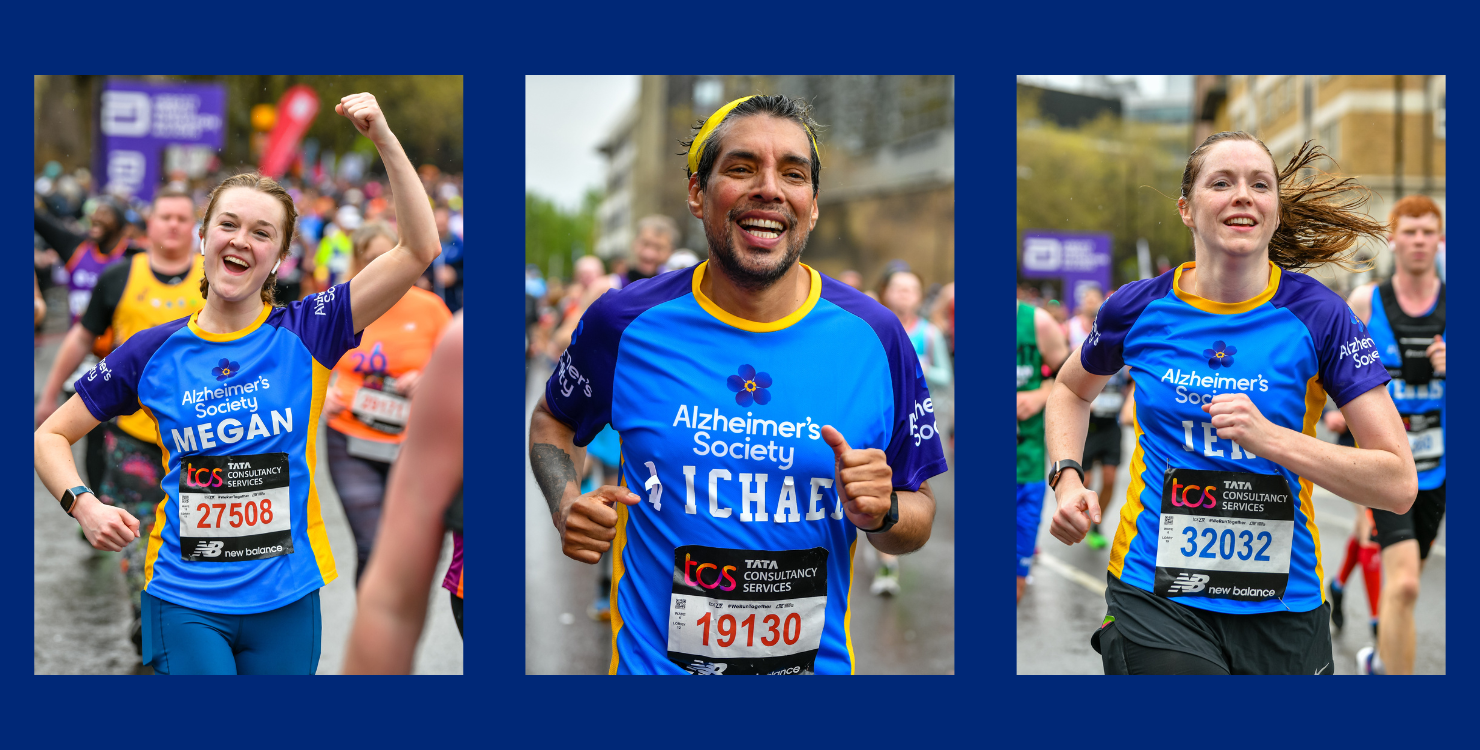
pixel 1225 308
pixel 232 336
pixel 749 325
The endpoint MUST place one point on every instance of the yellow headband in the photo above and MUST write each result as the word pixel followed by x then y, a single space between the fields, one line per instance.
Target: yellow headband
pixel 697 148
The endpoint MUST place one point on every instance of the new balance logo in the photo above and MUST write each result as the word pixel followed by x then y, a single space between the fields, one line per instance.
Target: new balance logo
pixel 706 667
pixel 1188 583
pixel 209 549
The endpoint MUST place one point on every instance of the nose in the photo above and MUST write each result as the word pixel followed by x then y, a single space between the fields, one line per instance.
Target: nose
pixel 768 186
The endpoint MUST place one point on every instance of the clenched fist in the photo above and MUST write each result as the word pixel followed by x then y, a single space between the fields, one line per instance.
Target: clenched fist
pixel 364 112
pixel 588 524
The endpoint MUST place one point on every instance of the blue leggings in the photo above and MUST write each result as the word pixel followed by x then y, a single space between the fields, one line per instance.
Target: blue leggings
pixel 1029 514
pixel 181 640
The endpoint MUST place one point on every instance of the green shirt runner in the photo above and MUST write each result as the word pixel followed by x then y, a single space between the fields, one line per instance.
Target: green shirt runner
pixel 1030 450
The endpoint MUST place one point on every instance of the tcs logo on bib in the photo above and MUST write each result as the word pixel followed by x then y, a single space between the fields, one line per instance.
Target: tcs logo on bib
pixel 694 575
pixel 1180 492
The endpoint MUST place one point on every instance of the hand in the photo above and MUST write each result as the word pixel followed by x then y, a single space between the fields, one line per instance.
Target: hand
pixel 1029 403
pixel 446 275
pixel 1335 421
pixel 407 381
pixel 1239 420
pixel 863 480
pixel 333 403
pixel 107 528
pixel 1079 508
pixel 588 525
pixel 364 112
pixel 1435 353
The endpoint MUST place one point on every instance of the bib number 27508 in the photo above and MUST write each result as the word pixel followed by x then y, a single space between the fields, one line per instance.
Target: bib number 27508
pixel 235 508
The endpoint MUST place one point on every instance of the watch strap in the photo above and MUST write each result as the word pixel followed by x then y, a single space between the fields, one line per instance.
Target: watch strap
pixel 69 498
pixel 890 518
pixel 1058 469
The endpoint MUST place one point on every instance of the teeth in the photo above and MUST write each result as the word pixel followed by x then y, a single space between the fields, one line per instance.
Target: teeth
pixel 237 261
pixel 764 224
pixel 766 235
pixel 1241 222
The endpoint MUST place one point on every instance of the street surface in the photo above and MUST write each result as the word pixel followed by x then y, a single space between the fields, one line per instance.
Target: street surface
pixel 81 606
pixel 913 633
pixel 1065 601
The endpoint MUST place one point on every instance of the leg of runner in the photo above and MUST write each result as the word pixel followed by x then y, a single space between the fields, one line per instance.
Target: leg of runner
pixel 886 578
pixel 457 603
pixel 1096 538
pixel 360 483
pixel 1369 554
pixel 181 640
pixel 131 481
pixel 272 642
pixel 1029 513
pixel 1400 572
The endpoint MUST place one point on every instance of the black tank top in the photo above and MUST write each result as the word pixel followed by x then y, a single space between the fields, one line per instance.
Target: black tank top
pixel 1413 334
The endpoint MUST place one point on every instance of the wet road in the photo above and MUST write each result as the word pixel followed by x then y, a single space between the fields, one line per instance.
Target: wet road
pixel 81 607
pixel 1065 601
pixel 913 633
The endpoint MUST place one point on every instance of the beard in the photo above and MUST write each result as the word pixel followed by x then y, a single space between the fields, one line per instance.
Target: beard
pixel 753 276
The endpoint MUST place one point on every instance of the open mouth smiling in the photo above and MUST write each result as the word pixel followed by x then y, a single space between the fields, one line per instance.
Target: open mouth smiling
pixel 762 229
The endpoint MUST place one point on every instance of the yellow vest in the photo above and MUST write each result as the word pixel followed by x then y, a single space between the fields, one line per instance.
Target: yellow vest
pixel 147 303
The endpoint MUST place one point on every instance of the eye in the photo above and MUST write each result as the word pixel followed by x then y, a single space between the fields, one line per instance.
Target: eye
pixel 227 225
pixel 1261 184
pixel 1220 183
pixel 262 233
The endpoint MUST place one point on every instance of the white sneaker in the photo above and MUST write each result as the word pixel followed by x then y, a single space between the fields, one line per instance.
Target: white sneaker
pixel 1364 659
pixel 884 584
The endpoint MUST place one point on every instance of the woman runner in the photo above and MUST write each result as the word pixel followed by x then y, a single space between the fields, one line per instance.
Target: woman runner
pixel 239 551
pixel 1216 565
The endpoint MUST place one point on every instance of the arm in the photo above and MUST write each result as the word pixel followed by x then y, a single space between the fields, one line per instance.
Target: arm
pixel 56 234
pixel 384 282
pixel 587 523
pixel 1053 346
pixel 1379 475
pixel 422 483
pixel 1065 427
pixel 74 348
pixel 939 371
pixel 106 527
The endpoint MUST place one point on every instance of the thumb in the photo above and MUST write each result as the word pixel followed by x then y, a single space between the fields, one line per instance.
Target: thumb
pixel 1438 339
pixel 131 522
pixel 1092 503
pixel 835 439
pixel 612 493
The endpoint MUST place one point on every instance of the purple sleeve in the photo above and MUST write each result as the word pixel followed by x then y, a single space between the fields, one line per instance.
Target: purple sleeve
pixel 324 323
pixel 914 451
pixel 579 392
pixel 1349 362
pixel 111 388
pixel 1102 351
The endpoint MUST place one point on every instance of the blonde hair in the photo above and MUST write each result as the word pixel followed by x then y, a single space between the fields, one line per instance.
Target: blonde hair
pixel 262 184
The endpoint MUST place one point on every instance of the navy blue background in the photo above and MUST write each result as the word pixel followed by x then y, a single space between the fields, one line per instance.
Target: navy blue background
pixel 494 46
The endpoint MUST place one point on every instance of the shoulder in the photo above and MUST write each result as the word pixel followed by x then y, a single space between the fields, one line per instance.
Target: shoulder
pixel 1307 297
pixel 131 355
pixel 116 273
pixel 884 323
pixel 1127 303
pixel 617 308
pixel 1360 298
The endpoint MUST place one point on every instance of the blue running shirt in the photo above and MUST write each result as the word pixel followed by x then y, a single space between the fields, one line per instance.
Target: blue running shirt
pixel 739 559
pixel 1414 402
pixel 237 415
pixel 1286 349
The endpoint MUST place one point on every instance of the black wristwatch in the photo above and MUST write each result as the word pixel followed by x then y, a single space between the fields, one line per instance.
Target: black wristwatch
pixel 890 518
pixel 69 498
pixel 1057 470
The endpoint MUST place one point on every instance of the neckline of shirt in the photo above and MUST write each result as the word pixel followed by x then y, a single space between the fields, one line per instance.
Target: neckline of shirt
pixel 1225 308
pixel 814 294
pixel 233 335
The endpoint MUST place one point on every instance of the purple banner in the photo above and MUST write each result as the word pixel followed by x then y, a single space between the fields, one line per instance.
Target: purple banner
pixel 138 120
pixel 1078 258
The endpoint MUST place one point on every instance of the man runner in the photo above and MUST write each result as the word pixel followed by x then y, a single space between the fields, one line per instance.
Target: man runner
pixel 767 414
pixel 1040 341
pixel 1406 317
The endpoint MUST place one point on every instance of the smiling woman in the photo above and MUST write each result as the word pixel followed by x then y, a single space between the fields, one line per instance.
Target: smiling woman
pixel 240 546
pixel 1232 357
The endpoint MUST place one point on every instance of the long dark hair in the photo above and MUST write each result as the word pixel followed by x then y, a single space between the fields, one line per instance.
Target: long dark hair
pixel 1320 220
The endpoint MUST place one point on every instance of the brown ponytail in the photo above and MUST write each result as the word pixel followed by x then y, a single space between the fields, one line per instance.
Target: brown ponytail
pixel 1319 218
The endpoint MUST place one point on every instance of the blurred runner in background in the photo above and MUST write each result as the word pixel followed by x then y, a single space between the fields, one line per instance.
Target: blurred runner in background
pixel 1041 350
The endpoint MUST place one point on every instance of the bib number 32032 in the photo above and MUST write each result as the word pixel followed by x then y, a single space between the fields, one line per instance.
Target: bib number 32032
pixel 747 611
pixel 1224 535
pixel 235 508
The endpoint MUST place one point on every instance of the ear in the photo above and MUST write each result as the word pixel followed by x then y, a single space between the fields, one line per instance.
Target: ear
pixel 696 198
pixel 1184 208
pixel 813 224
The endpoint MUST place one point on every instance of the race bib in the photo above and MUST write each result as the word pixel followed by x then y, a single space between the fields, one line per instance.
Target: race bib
pixel 739 611
pixel 1425 438
pixel 234 508
pixel 1224 535
pixel 381 409
pixel 373 450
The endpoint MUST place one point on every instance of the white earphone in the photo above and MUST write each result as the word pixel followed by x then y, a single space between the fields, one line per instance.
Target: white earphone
pixel 275 266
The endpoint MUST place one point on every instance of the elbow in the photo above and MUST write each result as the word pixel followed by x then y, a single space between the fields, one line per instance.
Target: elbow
pixel 1405 490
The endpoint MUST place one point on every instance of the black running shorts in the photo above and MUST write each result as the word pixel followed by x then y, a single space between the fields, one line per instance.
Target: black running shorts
pixel 1102 443
pixel 1150 634
pixel 1421 522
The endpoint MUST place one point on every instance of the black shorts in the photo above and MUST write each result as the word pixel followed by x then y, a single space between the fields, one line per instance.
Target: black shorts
pixel 1421 522
pixel 1148 634
pixel 1102 443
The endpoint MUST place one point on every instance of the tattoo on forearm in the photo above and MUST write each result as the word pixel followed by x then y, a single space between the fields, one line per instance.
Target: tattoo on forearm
pixel 553 469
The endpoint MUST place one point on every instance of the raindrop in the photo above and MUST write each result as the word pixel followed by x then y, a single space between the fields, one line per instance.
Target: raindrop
pixel 567 618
